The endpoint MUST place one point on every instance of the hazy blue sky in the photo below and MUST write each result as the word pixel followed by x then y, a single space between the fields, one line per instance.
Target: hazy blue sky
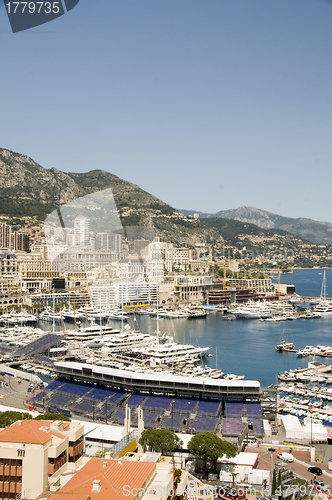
pixel 207 104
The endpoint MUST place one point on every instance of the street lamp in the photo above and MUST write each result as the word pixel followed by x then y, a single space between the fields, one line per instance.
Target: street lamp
pixel 102 441
pixel 271 450
pixel 188 416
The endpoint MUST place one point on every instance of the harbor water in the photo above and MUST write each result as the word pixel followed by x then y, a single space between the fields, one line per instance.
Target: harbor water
pixel 247 347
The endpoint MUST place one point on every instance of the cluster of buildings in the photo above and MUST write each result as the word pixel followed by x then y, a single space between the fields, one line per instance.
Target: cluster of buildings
pixel 111 269
pixel 12 239
pixel 46 460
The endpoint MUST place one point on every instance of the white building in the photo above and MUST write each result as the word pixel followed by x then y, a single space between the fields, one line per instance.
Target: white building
pixel 177 258
pixel 121 293
pixel 140 268
pixel 82 231
pixel 109 241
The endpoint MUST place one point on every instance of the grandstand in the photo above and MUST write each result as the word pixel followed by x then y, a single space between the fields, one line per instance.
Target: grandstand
pixel 178 413
pixel 167 384
pixel 39 345
pixel 157 402
pixel 234 409
pixel 208 408
pixel 202 424
pixel 183 404
pixel 232 427
pixel 97 394
pixel 175 422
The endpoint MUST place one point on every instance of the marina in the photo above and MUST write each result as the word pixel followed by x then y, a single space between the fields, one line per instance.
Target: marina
pixel 241 368
pixel 243 347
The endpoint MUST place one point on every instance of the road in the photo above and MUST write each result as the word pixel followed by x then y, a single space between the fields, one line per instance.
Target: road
pixel 299 468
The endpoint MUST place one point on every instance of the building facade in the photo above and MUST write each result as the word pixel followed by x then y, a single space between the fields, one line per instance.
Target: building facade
pixel 33 450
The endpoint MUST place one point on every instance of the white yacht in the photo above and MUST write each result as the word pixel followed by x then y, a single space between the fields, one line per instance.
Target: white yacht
pixel 324 307
pixel 90 333
pixel 252 310
pixel 21 318
pixel 72 314
pixel 117 314
pixel 171 352
pixel 93 312
pixel 307 351
pixel 49 315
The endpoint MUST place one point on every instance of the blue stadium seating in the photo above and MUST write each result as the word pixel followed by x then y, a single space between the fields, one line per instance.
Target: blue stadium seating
pixel 158 402
pixel 208 407
pixel 74 389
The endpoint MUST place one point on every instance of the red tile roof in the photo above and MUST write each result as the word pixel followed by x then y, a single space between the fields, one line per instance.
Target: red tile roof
pixel 117 481
pixel 29 431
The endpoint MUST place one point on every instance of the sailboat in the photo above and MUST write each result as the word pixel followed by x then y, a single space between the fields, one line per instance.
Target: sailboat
pixel 285 344
pixel 324 307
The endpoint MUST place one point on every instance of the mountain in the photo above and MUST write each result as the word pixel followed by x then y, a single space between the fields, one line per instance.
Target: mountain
pixel 28 189
pixel 317 232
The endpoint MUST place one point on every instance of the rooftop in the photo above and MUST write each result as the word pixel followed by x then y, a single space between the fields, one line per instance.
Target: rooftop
pixel 102 479
pixel 29 431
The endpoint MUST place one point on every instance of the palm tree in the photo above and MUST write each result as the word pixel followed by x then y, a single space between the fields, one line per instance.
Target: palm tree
pixel 233 474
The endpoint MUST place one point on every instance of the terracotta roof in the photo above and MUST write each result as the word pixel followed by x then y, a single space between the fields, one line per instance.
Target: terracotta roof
pixel 64 496
pixel 29 431
pixel 117 481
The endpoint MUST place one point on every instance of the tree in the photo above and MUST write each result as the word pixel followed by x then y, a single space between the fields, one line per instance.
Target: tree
pixel 163 440
pixel 100 454
pixel 208 446
pixel 274 482
pixel 177 474
pixel 53 416
pixel 280 485
pixel 234 474
pixel 9 417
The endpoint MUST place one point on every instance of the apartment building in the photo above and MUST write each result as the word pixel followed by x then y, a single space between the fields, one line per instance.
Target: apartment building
pixel 177 258
pixel 140 268
pixel 36 273
pixel 260 285
pixel 12 239
pixel 192 288
pixel 10 287
pixel 109 241
pixel 33 450
pixel 82 231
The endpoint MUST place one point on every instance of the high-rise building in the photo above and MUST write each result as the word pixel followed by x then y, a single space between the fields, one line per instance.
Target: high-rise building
pixel 82 231
pixel 109 241
pixel 5 235
pixel 141 247
pixel 13 240
pixel 20 241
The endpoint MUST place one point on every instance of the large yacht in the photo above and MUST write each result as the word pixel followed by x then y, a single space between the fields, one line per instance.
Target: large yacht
pixel 171 352
pixel 21 318
pixel 50 315
pixel 90 333
pixel 324 307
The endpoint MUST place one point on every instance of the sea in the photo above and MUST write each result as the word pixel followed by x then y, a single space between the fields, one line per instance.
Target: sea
pixel 247 347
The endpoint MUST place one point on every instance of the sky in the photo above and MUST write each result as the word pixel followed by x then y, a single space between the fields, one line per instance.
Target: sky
pixel 207 104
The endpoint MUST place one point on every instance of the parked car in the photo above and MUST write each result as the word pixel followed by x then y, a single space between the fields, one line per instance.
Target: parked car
pixel 315 470
pixel 286 457
pixel 320 485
